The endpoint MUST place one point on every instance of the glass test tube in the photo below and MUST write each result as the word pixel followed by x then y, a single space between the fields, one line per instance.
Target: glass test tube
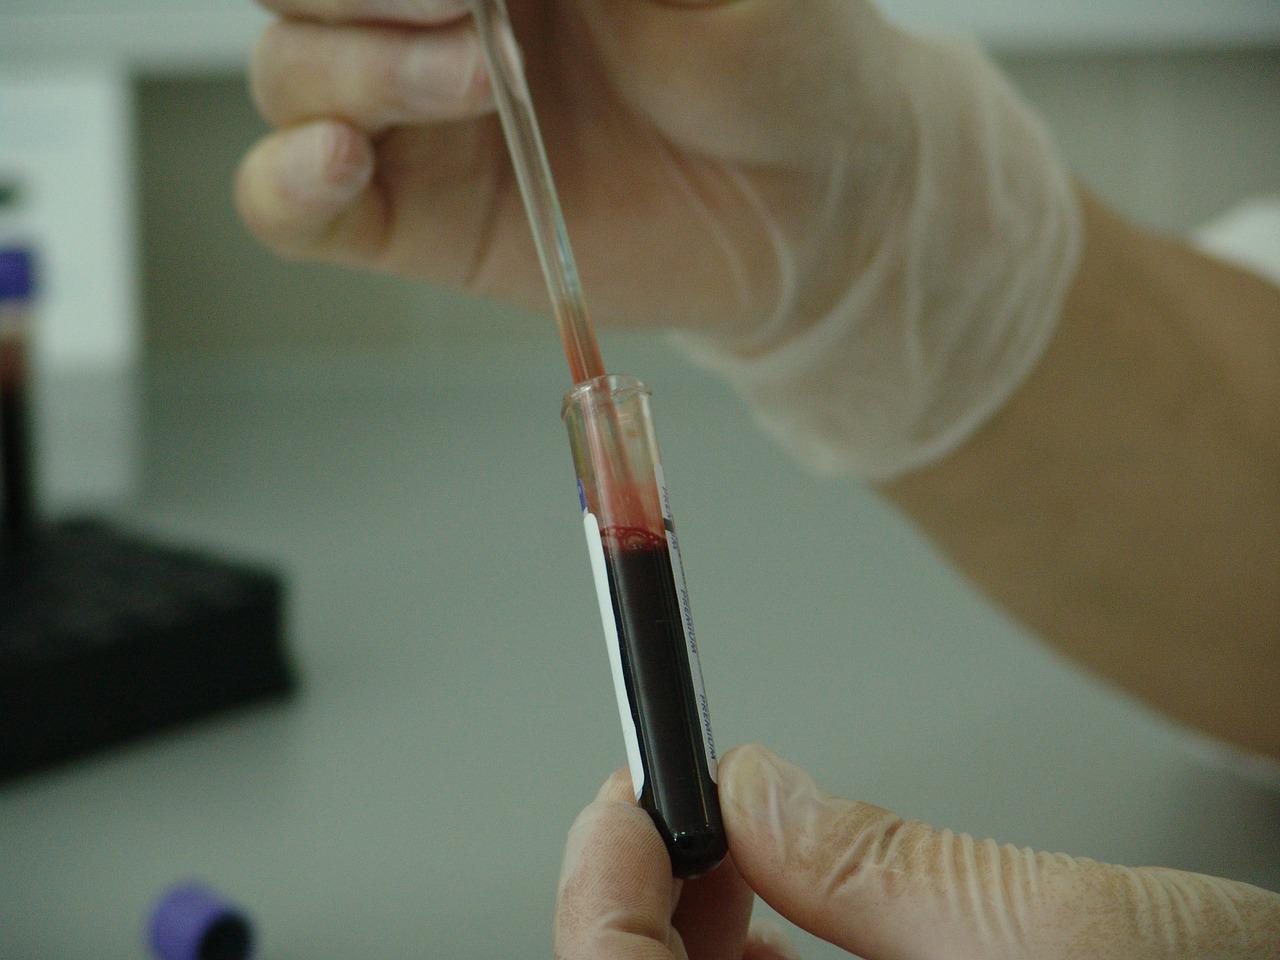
pixel 644 607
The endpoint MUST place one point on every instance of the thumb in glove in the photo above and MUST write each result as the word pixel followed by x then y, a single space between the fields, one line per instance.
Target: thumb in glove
pixel 885 888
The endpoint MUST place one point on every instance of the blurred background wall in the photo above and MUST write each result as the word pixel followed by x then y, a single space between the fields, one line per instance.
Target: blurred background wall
pixel 1169 138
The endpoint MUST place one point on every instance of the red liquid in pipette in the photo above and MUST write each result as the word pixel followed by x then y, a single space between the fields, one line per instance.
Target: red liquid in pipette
pixel 584 358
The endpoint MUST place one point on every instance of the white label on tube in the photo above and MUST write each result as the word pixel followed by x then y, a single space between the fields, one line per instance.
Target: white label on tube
pixel 686 620
pixel 595 550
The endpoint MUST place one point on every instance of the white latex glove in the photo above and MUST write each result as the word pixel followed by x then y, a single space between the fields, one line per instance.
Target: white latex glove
pixel 867 232
pixel 881 887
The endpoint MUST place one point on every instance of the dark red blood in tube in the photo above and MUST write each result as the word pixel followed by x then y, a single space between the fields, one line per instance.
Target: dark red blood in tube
pixel 679 792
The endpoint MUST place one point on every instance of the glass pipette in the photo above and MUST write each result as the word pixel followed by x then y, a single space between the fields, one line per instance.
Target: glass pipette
pixel 533 174
pixel 631 539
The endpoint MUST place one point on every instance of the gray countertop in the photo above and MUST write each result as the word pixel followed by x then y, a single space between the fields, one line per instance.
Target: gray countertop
pixel 457 709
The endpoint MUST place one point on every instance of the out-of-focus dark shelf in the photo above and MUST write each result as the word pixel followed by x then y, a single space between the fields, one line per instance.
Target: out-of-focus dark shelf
pixel 106 636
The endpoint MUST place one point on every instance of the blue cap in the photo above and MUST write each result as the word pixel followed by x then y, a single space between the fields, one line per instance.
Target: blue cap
pixel 17 273
pixel 192 922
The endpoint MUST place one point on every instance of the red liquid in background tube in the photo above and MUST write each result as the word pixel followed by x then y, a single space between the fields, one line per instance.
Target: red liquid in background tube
pixel 15 443
pixel 679 791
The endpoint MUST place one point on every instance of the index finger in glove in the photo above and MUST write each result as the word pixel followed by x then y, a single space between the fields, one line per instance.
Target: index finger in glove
pixel 371 76
pixel 618 899
pixel 616 892
pixel 418 12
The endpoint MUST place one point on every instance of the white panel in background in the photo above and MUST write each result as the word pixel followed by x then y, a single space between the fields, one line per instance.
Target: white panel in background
pixel 66 138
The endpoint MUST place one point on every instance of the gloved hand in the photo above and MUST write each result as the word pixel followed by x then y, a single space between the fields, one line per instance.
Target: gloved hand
pixel 878 886
pixel 866 231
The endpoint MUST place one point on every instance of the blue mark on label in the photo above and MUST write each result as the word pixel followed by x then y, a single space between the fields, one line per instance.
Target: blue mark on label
pixel 582 497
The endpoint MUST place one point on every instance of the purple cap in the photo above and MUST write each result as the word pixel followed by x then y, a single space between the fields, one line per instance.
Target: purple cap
pixel 191 922
pixel 17 273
